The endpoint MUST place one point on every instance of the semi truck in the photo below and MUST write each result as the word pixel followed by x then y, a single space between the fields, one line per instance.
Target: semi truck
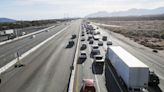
pixel 134 73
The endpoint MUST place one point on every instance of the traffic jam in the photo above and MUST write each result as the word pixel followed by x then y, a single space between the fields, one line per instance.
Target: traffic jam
pixel 91 59
pixel 103 67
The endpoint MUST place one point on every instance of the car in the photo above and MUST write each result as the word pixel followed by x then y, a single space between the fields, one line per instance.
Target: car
pixel 95 46
pixel 100 43
pixel 104 38
pixel 82 34
pixel 96 37
pixel 95 50
pixel 109 43
pixel 98 32
pixel 94 33
pixel 155 51
pixel 70 43
pixel 23 33
pixel 99 59
pixel 89 37
pixel 88 86
pixel 82 39
pixel 91 41
pixel 83 47
pixel 73 36
pixel 83 55
pixel 32 36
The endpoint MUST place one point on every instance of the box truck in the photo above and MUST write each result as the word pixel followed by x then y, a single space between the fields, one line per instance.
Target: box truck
pixel 132 71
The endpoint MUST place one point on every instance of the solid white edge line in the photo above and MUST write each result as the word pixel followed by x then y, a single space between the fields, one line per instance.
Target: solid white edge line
pixel 7 66
pixel 21 37
pixel 71 84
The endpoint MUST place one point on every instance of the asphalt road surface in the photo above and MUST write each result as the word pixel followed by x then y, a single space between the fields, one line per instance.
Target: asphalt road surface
pixel 107 80
pixel 45 70
pixel 48 68
pixel 86 69
pixel 8 51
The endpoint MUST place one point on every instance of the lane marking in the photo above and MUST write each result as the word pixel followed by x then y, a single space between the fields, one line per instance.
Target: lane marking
pixel 98 86
pixel 71 85
pixel 77 85
pixel 111 72
pixel 7 66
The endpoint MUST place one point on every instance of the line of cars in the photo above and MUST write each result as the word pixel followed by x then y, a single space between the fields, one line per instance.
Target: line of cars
pixel 137 81
pixel 95 40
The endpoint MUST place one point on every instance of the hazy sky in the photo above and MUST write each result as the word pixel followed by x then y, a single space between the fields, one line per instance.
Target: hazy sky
pixel 45 9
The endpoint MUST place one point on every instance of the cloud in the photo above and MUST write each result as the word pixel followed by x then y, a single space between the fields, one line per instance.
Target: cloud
pixel 57 8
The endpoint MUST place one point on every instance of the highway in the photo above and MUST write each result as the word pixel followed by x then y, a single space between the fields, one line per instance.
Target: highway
pixel 87 70
pixel 107 80
pixel 46 69
pixel 8 51
pixel 104 79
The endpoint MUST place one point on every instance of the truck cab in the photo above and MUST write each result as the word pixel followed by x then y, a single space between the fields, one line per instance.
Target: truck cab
pixel 153 79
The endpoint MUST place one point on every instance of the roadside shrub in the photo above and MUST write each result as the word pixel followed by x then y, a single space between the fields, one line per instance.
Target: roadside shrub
pixel 162 36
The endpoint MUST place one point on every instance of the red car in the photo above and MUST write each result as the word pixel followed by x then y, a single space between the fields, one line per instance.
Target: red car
pixel 88 86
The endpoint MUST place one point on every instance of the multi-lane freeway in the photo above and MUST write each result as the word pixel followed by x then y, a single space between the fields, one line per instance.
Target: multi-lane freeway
pixel 107 81
pixel 47 69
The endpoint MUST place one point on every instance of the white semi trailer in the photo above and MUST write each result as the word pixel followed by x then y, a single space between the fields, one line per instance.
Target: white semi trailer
pixel 132 71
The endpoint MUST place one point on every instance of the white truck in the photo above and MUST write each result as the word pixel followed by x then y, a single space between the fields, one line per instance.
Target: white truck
pixel 10 31
pixel 132 71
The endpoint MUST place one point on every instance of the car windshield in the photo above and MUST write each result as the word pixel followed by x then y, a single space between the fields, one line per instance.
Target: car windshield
pixel 95 47
pixel 89 89
pixel 83 53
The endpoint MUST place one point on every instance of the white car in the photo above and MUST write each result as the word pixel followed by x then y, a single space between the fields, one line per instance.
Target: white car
pixel 98 58
pixel 32 36
pixel 96 37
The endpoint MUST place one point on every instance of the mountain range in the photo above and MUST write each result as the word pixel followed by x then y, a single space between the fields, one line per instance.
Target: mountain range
pixel 6 20
pixel 130 12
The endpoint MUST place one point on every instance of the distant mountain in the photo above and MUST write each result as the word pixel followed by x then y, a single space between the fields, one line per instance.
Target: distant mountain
pixel 6 20
pixel 99 14
pixel 130 12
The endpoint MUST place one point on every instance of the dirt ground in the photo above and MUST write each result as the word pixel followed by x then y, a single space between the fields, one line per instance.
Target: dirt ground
pixel 149 33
